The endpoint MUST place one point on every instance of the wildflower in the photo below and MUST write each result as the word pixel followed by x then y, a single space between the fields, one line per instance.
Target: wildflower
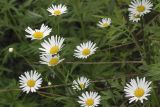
pixel 52 46
pixel 38 33
pixel 30 81
pixel 89 99
pixel 50 60
pixel 85 50
pixel 140 7
pixel 137 90
pixel 134 17
pixel 104 23
pixel 81 83
pixel 57 10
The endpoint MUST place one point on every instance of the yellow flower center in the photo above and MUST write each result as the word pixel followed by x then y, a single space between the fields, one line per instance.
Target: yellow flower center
pixel 38 35
pixel 86 52
pixel 105 24
pixel 57 12
pixel 81 86
pixel 31 83
pixel 89 102
pixel 139 92
pixel 141 8
pixel 54 50
pixel 54 61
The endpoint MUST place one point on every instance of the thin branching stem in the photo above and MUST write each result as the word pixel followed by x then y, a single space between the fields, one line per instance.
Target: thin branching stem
pixel 113 62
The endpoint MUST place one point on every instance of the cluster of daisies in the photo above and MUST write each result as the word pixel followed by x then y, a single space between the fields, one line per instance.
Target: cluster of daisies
pixel 138 8
pixel 50 48
pixel 136 90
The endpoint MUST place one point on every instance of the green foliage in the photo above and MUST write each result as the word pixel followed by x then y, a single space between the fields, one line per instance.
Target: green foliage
pixel 116 44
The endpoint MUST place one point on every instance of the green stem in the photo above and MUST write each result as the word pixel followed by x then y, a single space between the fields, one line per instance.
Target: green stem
pixel 82 26
pixel 145 43
pixel 137 44
pixel 58 26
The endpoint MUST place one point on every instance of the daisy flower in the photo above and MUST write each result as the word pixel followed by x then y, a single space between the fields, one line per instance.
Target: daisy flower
pixel 50 60
pixel 137 90
pixel 84 50
pixel 105 22
pixel 140 7
pixel 89 99
pixel 81 83
pixel 30 81
pixel 57 10
pixel 38 33
pixel 52 46
pixel 134 17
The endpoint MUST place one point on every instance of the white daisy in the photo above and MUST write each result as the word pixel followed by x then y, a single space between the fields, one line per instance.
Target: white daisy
pixel 105 22
pixel 30 81
pixel 89 99
pixel 81 83
pixel 50 60
pixel 140 7
pixel 57 10
pixel 52 46
pixel 85 50
pixel 38 33
pixel 134 17
pixel 137 90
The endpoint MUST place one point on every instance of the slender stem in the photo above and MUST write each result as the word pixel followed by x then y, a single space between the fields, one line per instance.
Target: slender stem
pixel 102 62
pixel 51 94
pixel 58 26
pixel 137 44
pixel 44 95
pixel 145 43
pixel 82 26
pixel 114 62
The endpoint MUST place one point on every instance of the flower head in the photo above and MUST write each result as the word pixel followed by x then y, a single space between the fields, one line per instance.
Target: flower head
pixel 30 81
pixel 57 10
pixel 137 90
pixel 52 46
pixel 49 83
pixel 38 33
pixel 89 99
pixel 140 7
pixel 81 83
pixel 105 22
pixel 11 50
pixel 50 60
pixel 134 17
pixel 85 50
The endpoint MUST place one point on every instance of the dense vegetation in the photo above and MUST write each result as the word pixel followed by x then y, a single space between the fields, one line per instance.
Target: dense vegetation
pixel 125 50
